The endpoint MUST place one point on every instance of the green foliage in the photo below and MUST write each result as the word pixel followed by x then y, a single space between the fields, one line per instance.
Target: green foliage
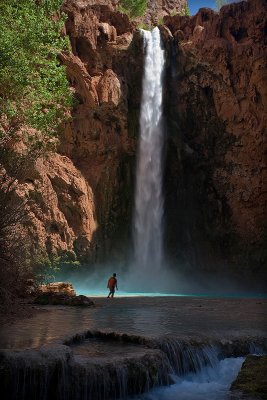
pixel 160 21
pixel 144 26
pixel 34 90
pixel 133 8
pixel 186 10
pixel 47 268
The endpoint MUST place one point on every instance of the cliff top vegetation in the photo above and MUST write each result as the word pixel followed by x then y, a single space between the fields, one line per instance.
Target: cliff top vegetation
pixel 34 89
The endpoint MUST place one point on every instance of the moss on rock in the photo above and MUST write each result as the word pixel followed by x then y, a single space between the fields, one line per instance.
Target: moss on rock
pixel 251 382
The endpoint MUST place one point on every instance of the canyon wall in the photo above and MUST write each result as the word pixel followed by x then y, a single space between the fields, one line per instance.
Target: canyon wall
pixel 215 107
pixel 98 140
pixel 216 163
pixel 81 197
pixel 157 9
pixel 80 200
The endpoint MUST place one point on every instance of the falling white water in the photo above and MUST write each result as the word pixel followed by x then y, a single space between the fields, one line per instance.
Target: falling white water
pixel 148 230
pixel 212 382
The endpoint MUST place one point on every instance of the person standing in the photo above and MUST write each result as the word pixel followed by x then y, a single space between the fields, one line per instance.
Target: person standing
pixel 112 285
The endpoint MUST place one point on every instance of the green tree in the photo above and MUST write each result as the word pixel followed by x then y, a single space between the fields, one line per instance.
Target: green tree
pixel 34 101
pixel 187 10
pixel 34 90
pixel 133 8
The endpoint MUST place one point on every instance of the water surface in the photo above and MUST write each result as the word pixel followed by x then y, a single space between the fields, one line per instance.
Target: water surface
pixel 179 317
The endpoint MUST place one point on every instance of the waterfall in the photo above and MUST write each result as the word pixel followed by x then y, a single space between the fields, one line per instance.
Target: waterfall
pixel 148 229
pixel 128 365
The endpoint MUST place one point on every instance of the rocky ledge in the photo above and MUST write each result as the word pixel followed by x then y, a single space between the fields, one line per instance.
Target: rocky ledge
pixel 100 365
pixel 60 372
pixel 61 293
pixel 58 287
pixel 251 383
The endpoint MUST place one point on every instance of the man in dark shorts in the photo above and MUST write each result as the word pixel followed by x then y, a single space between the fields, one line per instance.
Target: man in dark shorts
pixel 112 284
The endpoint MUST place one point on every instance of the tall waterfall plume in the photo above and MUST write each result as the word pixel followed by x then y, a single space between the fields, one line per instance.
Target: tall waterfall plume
pixel 148 227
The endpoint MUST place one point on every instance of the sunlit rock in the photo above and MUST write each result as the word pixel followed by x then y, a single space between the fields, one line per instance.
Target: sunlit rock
pixel 58 287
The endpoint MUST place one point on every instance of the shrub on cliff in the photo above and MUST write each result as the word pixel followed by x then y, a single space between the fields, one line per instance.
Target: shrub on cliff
pixel 134 8
pixel 187 10
pixel 34 89
pixel 49 268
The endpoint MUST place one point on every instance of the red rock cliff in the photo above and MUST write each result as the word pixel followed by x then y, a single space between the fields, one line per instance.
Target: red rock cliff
pixel 218 101
pixel 216 116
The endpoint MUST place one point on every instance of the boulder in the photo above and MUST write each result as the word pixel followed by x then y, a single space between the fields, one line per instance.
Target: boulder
pixel 52 298
pixel 64 288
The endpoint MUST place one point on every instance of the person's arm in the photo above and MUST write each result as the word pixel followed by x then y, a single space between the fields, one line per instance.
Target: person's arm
pixel 116 284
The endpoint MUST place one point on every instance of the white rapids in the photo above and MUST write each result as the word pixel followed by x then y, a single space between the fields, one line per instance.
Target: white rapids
pixel 212 382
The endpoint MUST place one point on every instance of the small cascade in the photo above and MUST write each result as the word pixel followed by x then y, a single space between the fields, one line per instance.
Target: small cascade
pixel 185 357
pixel 38 374
pixel 111 366
pixel 148 229
pixel 35 374
pixel 208 384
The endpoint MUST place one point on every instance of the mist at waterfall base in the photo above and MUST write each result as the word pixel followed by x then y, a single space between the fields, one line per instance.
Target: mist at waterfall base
pixel 92 280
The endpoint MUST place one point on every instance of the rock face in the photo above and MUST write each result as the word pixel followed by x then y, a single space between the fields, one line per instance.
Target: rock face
pixel 215 101
pixel 61 293
pixel 61 206
pixel 105 71
pixel 157 9
pixel 216 162
pixel 81 198
pixel 103 67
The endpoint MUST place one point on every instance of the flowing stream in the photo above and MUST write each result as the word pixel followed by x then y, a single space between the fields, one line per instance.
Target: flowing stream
pixel 105 367
pixel 211 382
pixel 148 230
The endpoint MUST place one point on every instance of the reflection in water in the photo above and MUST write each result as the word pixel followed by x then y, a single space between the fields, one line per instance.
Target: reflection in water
pixel 46 327
pixel 175 316
pixel 107 350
